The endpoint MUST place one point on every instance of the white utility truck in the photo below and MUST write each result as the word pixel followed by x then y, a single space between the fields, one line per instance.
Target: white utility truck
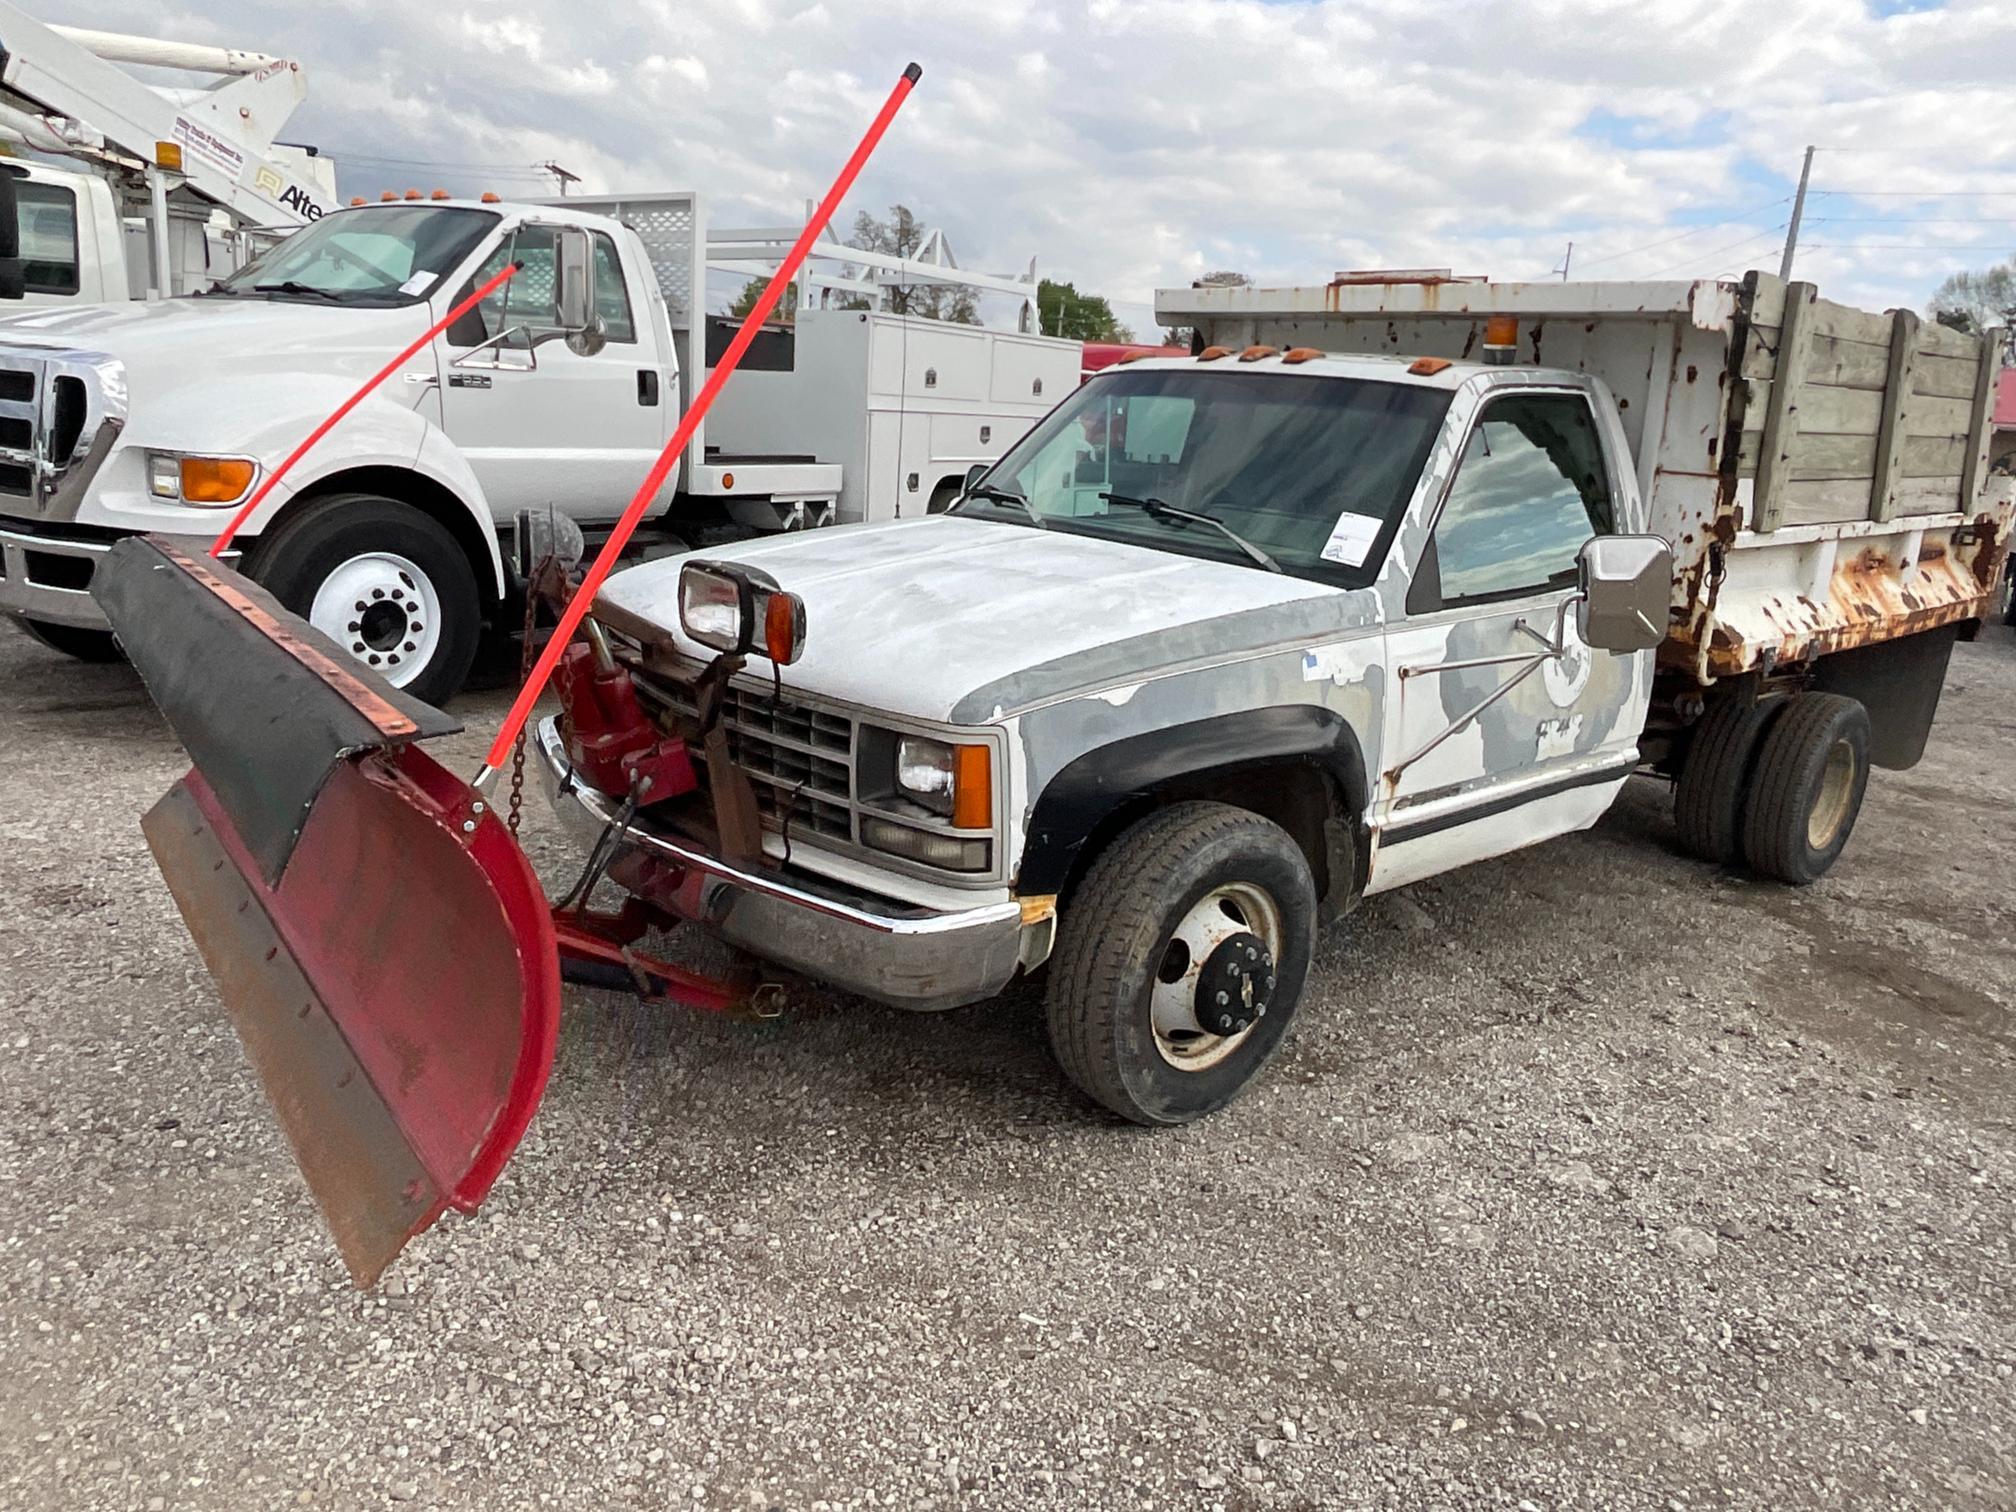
pixel 1392 575
pixel 555 394
pixel 173 186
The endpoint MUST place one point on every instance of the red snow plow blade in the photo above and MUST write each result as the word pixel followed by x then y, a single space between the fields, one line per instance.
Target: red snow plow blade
pixel 378 937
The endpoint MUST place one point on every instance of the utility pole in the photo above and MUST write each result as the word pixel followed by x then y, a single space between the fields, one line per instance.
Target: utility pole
pixel 1798 210
pixel 561 176
pixel 1566 258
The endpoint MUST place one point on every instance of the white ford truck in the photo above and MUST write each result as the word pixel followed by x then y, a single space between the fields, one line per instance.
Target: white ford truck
pixel 555 393
pixel 1392 575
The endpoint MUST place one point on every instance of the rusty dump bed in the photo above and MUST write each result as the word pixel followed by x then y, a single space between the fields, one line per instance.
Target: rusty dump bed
pixel 1821 471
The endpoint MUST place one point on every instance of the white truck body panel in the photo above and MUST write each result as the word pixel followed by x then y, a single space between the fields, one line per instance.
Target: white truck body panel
pixel 904 406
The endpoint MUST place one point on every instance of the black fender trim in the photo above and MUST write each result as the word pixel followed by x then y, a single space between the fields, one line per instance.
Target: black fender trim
pixel 1083 798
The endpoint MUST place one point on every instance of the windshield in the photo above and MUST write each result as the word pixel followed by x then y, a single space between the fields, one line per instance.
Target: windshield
pixel 372 256
pixel 1313 471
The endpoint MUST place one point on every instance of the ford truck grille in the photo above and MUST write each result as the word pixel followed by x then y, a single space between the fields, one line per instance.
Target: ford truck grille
pixel 59 414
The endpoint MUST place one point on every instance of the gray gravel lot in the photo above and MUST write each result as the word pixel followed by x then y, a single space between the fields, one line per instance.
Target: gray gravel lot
pixel 1591 1178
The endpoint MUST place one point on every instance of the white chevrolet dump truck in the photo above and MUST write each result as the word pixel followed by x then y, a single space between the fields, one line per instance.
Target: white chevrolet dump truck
pixel 554 394
pixel 1390 576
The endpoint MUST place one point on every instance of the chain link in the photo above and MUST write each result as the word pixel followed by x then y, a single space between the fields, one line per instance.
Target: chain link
pixel 525 659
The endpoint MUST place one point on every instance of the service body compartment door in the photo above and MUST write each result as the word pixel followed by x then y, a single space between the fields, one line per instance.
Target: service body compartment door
pixel 543 420
pixel 1502 727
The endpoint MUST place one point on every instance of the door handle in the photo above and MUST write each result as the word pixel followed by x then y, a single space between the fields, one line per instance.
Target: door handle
pixel 647 385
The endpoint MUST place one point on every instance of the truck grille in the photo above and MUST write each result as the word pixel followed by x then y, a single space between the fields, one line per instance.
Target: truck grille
pixel 59 411
pixel 800 759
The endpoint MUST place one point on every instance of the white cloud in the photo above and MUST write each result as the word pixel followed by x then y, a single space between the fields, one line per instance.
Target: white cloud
pixel 1131 143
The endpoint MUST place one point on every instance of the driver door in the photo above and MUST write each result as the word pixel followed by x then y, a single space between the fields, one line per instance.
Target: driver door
pixel 1505 728
pixel 543 420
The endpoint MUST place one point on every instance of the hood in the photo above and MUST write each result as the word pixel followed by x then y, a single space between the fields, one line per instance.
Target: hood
pixel 167 343
pixel 967 620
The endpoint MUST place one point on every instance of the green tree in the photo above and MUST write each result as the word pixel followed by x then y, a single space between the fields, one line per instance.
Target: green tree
pixel 902 235
pixel 1063 311
pixel 745 301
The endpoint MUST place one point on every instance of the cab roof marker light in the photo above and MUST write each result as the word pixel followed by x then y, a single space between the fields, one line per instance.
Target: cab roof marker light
pixel 1213 353
pixel 1257 353
pixel 1302 354
pixel 1428 367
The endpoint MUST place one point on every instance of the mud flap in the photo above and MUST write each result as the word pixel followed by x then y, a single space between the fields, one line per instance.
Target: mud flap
pixel 379 939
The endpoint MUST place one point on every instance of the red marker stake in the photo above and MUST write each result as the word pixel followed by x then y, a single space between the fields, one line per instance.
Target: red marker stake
pixel 605 560
pixel 259 495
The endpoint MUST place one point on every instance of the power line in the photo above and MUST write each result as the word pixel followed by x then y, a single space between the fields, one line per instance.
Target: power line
pixel 1903 246
pixel 1913 220
pixel 1737 219
pixel 1701 257
pixel 1919 194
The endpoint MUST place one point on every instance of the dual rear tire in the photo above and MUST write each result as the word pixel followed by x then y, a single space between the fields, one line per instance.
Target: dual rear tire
pixel 1776 786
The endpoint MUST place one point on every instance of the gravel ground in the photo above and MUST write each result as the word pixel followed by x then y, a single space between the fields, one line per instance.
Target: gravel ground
pixel 1590 1178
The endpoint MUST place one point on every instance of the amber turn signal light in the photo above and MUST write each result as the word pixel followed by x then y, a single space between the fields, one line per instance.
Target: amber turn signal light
pixel 215 480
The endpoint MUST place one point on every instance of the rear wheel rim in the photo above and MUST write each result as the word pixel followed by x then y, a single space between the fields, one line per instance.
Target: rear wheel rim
pixel 1234 908
pixel 382 609
pixel 1833 799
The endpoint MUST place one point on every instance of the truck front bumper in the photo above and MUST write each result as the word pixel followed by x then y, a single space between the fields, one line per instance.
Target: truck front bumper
pixel 46 570
pixel 908 958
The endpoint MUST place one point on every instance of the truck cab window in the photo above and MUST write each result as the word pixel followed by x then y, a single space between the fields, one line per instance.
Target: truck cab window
pixel 1530 491
pixel 48 237
pixel 612 300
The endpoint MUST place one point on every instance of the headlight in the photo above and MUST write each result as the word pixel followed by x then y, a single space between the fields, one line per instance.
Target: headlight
pixel 954 780
pixel 199 480
pixel 738 609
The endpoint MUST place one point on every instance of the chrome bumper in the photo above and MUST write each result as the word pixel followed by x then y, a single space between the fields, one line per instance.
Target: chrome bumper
pixel 849 940
pixel 48 577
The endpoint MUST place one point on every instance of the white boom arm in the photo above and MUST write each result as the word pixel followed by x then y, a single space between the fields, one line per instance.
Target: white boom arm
pixel 63 92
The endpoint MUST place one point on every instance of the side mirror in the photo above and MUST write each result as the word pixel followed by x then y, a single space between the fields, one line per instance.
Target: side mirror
pixel 973 475
pixel 13 278
pixel 574 289
pixel 1627 583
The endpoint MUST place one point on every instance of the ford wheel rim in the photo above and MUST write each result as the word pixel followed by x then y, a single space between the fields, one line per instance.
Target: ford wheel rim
pixel 383 610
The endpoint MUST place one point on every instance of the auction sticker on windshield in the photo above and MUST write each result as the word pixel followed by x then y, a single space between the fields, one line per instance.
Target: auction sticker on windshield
pixel 1351 539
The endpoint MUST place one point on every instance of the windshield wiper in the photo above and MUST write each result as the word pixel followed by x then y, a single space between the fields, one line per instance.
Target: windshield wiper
pixel 1008 496
pixel 1158 509
pixel 294 286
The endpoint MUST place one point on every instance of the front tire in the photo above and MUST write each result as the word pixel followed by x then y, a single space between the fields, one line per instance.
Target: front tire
pixel 73 640
pixel 383 581
pixel 1807 790
pixel 1180 962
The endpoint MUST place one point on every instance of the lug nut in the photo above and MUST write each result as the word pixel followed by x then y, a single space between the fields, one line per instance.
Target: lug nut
pixel 377 593
pixel 1223 1000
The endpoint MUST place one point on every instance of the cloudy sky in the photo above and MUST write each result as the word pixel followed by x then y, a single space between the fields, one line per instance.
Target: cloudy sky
pixel 1128 144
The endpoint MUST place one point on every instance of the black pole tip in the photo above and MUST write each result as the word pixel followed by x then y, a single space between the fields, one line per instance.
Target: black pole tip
pixel 914 72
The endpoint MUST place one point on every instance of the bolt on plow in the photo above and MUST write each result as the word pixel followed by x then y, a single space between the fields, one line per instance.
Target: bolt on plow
pixel 380 940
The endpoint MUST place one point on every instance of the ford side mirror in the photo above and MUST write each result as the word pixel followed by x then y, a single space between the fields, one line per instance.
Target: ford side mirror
pixel 574 289
pixel 1627 582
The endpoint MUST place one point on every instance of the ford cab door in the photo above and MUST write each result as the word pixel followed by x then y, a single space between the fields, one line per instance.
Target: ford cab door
pixel 545 417
pixel 1503 727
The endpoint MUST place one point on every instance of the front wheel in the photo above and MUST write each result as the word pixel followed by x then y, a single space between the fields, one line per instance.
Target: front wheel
pixel 1180 962
pixel 72 640
pixel 383 581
